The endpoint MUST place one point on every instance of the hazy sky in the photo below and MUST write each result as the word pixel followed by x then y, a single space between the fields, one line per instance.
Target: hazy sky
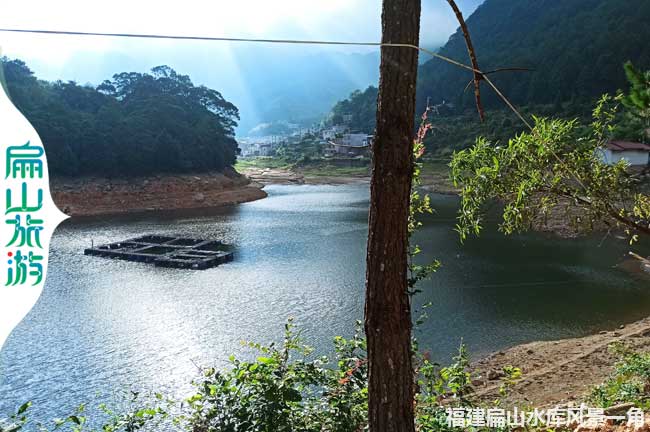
pixel 260 79
pixel 355 20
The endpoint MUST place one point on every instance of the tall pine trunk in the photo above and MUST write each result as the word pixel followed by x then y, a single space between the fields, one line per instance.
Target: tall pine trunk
pixel 387 309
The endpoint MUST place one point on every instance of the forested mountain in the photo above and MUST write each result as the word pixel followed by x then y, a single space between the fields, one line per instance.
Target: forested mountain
pixel 362 106
pixel 576 48
pixel 136 123
pixel 268 83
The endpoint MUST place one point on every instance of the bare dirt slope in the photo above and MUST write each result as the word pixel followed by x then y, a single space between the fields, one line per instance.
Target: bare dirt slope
pixel 98 196
pixel 558 372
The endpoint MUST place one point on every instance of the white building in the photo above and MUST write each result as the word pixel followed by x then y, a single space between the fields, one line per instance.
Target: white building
pixel 634 153
pixel 265 146
pixel 356 140
pixel 332 132
pixel 351 145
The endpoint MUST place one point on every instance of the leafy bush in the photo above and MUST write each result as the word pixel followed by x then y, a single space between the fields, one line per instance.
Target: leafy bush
pixel 630 381
pixel 283 390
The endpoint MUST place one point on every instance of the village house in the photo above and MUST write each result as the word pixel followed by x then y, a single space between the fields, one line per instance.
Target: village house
pixel 636 154
pixel 265 146
pixel 349 145
pixel 332 132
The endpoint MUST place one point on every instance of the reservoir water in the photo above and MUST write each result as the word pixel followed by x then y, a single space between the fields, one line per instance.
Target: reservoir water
pixel 102 325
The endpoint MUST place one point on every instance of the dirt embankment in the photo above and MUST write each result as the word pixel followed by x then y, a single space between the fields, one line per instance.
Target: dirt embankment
pixel 98 196
pixel 285 176
pixel 558 372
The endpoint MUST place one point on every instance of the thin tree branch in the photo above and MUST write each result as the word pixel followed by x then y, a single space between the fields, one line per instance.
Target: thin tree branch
pixel 478 75
pixel 509 69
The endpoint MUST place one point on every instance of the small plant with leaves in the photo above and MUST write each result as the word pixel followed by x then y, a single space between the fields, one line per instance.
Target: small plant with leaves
pixel 630 381
pixel 135 412
pixel 420 205
pixel 17 421
pixel 285 390
pixel 511 375
pixel 636 121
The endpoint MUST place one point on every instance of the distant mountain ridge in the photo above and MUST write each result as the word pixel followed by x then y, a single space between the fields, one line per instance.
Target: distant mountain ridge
pixel 576 48
pixel 296 84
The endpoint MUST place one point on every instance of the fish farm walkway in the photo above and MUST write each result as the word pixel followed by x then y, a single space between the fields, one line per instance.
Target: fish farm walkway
pixel 166 251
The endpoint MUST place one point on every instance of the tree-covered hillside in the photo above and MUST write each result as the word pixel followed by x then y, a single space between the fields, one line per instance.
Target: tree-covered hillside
pixel 362 106
pixel 131 125
pixel 576 47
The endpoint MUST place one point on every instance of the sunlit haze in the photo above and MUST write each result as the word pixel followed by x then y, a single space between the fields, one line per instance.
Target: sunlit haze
pixel 302 19
pixel 250 75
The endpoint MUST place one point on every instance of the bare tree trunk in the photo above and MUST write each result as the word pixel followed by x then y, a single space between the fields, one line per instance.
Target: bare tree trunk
pixel 388 310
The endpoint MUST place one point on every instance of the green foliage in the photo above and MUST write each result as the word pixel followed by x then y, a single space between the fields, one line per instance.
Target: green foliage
pixel 137 414
pixel 420 204
pixel 457 131
pixel 638 99
pixel 17 421
pixel 636 121
pixel 134 124
pixel 510 376
pixel 302 151
pixel 446 387
pixel 282 390
pixel 362 106
pixel 630 381
pixel 557 165
pixel 438 384
pixel 574 48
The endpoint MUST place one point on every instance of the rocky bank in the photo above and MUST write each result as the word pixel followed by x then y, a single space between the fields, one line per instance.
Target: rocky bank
pixel 89 196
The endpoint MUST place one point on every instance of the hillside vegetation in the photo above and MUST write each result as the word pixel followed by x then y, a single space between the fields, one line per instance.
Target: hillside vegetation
pixel 134 124
pixel 576 48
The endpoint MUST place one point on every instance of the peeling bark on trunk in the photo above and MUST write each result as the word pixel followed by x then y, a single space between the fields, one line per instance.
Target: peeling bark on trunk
pixel 387 309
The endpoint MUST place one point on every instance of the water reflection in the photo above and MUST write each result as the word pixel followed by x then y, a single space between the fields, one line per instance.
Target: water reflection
pixel 102 325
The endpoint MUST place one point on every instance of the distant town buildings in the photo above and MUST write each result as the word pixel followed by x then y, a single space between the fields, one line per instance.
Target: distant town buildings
pixel 336 141
pixel 333 131
pixel 263 146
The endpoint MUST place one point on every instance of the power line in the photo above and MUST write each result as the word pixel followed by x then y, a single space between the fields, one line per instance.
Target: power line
pixel 187 37
pixel 233 39
pixel 280 41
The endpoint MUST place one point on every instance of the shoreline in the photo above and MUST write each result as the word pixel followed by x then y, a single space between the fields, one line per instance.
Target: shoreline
pixel 557 372
pixel 99 196
pixel 95 196
pixel 553 372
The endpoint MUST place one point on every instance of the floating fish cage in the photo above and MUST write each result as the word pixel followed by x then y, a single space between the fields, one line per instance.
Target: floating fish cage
pixel 167 251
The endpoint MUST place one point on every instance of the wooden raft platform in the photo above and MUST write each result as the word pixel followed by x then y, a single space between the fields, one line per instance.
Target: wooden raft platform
pixel 166 251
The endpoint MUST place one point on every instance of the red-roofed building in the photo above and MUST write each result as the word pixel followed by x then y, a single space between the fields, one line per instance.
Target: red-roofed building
pixel 634 153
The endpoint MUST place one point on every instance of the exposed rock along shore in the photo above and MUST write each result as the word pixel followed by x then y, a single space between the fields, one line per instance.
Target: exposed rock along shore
pixel 90 196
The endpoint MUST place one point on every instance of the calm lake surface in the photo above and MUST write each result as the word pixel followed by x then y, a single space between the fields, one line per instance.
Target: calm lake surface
pixel 103 325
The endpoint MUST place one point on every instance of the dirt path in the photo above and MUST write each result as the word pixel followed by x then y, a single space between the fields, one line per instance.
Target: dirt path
pixel 556 372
